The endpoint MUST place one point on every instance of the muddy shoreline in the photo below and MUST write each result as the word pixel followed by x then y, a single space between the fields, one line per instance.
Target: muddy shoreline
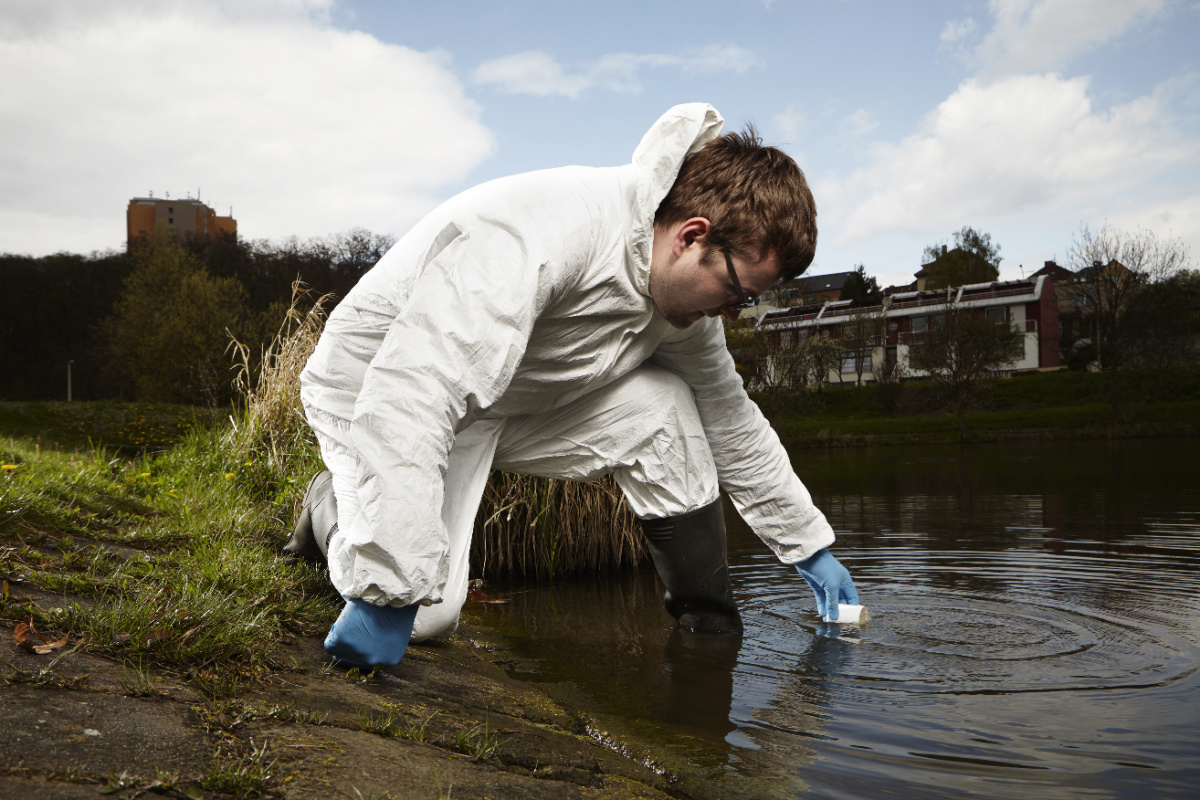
pixel 447 722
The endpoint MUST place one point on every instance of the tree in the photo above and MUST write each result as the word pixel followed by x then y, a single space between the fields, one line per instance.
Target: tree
pixel 1165 321
pixel 170 329
pixel 974 259
pixel 358 249
pixel 55 306
pixel 862 331
pixel 809 361
pixel 861 287
pixel 1114 269
pixel 960 349
pixel 49 307
pixel 784 368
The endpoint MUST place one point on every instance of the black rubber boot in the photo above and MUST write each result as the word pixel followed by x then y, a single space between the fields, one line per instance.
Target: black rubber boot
pixel 691 557
pixel 318 522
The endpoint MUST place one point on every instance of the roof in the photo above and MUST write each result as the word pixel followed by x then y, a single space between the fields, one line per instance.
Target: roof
pixel 914 303
pixel 1055 272
pixel 814 284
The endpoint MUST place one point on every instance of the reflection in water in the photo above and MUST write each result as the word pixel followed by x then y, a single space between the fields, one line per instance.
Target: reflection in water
pixel 698 682
pixel 1035 632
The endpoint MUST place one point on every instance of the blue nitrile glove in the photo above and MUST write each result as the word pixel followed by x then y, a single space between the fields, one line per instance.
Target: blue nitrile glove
pixel 830 582
pixel 365 635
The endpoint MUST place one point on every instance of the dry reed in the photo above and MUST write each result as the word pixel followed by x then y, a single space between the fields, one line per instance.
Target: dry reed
pixel 273 419
pixel 526 527
pixel 530 527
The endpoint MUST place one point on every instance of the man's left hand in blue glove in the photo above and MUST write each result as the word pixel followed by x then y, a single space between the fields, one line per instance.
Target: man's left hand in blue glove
pixel 830 582
pixel 366 635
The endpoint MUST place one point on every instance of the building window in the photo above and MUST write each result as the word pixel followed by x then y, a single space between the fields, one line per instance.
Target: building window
pixel 850 364
pixel 997 314
pixel 785 339
pixel 920 324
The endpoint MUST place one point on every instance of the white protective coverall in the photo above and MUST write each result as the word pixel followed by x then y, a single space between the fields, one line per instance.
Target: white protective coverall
pixel 513 327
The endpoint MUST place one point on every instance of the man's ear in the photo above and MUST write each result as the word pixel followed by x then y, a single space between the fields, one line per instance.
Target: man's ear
pixel 691 231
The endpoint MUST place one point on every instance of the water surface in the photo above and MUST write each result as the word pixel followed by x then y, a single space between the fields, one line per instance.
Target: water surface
pixel 1035 632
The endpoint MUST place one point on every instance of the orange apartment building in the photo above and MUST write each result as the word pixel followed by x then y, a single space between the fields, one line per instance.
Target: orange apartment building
pixel 184 218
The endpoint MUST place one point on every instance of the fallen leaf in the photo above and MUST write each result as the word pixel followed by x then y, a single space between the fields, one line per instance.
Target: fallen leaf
pixel 6 591
pixel 122 638
pixel 23 629
pixel 42 649
pixel 24 633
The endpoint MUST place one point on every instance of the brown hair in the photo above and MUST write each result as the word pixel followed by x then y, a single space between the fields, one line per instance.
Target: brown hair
pixel 755 196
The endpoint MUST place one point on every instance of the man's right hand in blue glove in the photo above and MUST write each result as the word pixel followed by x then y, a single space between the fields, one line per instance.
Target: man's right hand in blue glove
pixel 830 582
pixel 366 635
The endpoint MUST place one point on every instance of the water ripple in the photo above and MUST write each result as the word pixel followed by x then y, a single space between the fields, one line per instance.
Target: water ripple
pixel 947 642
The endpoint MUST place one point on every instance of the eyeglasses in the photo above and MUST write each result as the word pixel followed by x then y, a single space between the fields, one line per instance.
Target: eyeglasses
pixel 745 301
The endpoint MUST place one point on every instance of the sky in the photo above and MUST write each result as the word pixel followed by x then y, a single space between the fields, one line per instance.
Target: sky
pixel 1025 119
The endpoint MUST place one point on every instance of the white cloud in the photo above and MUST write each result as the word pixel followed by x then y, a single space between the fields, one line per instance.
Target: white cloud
pixel 1177 218
pixel 956 39
pixel 957 32
pixel 301 128
pixel 860 123
pixel 1041 35
pixel 789 124
pixel 1019 146
pixel 532 72
pixel 538 73
pixel 38 16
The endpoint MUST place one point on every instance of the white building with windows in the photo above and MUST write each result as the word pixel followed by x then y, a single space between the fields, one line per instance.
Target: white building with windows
pixel 877 338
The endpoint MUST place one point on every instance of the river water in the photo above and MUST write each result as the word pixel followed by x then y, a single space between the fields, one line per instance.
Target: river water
pixel 1034 632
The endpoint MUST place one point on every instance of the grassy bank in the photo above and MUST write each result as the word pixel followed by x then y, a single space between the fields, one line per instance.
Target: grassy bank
pixel 207 511
pixel 1057 405
pixel 158 643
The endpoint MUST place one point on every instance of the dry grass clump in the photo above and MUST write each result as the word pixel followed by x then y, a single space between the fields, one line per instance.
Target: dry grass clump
pixel 273 421
pixel 540 528
pixel 526 527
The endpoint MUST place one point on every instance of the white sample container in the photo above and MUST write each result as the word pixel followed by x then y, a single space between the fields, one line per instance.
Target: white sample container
pixel 850 615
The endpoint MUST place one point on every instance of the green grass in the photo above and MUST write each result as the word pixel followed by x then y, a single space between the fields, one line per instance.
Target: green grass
pixel 1091 420
pixel 477 740
pixel 243 774
pixel 1047 405
pixel 112 424
pixel 170 557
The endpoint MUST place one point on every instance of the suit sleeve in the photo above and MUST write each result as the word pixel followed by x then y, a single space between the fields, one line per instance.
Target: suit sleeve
pixel 752 465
